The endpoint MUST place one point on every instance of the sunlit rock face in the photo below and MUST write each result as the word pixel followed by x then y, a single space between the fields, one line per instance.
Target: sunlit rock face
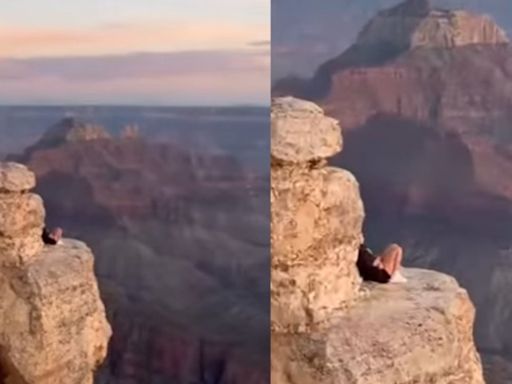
pixel 49 295
pixel 427 134
pixel 415 23
pixel 326 326
pixel 316 221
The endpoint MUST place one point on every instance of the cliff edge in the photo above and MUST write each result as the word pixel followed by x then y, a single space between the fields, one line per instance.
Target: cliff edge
pixel 328 326
pixel 53 328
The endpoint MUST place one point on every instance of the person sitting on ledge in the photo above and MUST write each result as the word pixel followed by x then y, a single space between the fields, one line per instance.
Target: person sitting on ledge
pixel 52 237
pixel 384 268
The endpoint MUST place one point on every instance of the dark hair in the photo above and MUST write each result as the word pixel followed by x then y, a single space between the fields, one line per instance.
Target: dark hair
pixel 363 248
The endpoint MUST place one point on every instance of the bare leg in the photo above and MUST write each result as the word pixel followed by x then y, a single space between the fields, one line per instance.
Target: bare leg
pixel 57 234
pixel 391 258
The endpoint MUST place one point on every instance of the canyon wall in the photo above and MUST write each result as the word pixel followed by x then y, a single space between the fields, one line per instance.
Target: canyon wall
pixel 167 223
pixel 415 23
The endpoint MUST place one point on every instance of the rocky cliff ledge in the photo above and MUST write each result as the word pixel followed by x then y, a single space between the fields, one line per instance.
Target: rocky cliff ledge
pixel 327 327
pixel 53 328
pixel 416 23
pixel 317 215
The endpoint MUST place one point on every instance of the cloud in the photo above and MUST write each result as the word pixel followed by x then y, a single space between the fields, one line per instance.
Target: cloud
pixel 260 43
pixel 169 35
pixel 186 77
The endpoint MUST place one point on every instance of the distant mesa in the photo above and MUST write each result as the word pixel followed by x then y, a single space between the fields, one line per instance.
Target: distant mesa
pixel 413 28
pixel 71 129
pixel 414 8
pixel 130 131
pixel 127 176
pixel 415 23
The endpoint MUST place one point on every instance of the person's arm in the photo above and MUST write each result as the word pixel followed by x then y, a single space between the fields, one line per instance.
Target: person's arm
pixel 366 258
pixel 378 262
pixel 375 261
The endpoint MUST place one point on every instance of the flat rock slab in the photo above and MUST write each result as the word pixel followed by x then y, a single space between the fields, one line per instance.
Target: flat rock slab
pixel 418 332
pixel 15 177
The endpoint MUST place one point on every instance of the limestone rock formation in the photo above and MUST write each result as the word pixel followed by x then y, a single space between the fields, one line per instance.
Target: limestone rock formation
pixel 324 329
pixel 447 111
pixel 15 178
pixel 415 23
pixel 130 132
pixel 53 327
pixel 21 216
pixel 316 218
pixel 71 129
pixel 301 132
pixel 417 333
pixel 412 29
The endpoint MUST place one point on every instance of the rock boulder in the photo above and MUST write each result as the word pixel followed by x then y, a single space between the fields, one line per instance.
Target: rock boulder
pixel 414 23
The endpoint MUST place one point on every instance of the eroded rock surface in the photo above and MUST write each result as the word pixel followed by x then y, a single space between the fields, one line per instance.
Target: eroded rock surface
pixel 317 216
pixel 15 177
pixel 447 111
pixel 70 130
pixel 21 216
pixel 301 132
pixel 420 332
pixel 326 327
pixel 53 328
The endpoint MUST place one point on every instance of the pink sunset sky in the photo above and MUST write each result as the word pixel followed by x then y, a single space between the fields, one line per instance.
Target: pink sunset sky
pixel 162 52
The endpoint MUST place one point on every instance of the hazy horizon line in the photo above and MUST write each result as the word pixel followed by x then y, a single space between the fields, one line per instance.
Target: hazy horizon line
pixel 122 105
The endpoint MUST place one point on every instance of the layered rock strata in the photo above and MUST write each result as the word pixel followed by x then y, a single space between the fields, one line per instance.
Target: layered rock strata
pixel 415 23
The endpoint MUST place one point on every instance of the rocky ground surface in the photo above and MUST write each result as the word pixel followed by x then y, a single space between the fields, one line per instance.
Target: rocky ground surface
pixel 419 332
